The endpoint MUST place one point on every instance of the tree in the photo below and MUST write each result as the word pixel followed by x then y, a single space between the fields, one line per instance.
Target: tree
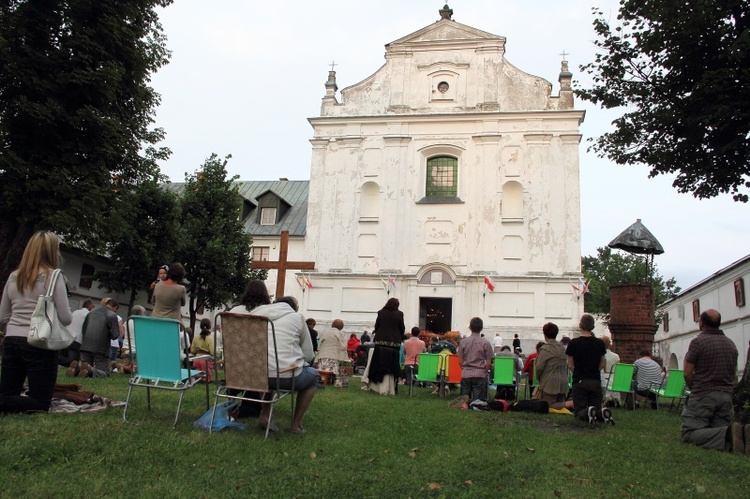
pixel 75 112
pixel 146 237
pixel 680 71
pixel 610 268
pixel 215 248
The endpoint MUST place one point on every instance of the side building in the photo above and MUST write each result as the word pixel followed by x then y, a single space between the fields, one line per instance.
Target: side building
pixel 723 291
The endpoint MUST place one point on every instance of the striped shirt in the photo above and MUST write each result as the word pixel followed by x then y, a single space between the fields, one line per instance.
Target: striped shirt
pixel 648 373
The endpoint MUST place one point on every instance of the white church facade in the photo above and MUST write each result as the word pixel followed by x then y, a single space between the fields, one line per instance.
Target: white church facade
pixel 446 165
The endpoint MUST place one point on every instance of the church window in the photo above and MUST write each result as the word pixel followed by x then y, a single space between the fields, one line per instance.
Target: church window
pixel 268 216
pixel 260 253
pixel 443 87
pixel 442 177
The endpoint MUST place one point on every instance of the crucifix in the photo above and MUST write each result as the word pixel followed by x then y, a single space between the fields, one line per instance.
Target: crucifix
pixel 282 265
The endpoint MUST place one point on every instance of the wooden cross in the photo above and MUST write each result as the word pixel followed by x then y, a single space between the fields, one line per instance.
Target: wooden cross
pixel 282 265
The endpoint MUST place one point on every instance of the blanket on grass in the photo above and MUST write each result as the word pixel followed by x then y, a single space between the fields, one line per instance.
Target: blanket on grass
pixel 69 397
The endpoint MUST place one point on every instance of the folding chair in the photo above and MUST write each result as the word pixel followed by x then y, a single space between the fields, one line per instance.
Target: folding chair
pixel 504 373
pixel 248 362
pixel 621 381
pixel 453 370
pixel 159 365
pixel 428 372
pixel 673 387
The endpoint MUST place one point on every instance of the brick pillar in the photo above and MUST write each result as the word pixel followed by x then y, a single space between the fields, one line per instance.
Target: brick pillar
pixel 631 320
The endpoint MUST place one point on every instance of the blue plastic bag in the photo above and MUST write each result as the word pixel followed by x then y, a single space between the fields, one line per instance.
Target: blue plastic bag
pixel 221 419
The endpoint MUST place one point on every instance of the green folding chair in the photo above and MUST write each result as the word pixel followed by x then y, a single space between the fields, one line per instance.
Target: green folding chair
pixel 159 366
pixel 621 381
pixel 504 372
pixel 429 369
pixel 673 387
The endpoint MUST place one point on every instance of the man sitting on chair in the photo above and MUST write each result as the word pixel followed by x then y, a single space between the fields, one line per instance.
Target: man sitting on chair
pixel 294 348
pixel 648 374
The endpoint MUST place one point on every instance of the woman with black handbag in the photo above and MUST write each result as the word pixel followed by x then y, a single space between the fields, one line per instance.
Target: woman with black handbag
pixel 21 360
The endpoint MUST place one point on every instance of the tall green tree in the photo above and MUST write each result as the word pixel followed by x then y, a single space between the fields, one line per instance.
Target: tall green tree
pixel 679 70
pixel 75 115
pixel 610 268
pixel 146 236
pixel 215 249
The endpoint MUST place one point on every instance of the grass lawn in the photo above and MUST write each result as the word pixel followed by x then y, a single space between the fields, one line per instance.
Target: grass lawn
pixel 357 445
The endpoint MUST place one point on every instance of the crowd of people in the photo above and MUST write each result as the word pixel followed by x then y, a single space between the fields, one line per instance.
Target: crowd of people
pixel 570 374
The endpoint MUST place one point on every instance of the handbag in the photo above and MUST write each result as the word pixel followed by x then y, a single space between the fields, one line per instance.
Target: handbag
pixel 45 330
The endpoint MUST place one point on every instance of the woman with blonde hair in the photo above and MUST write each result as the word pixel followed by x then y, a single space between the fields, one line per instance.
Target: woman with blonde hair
pixel 21 360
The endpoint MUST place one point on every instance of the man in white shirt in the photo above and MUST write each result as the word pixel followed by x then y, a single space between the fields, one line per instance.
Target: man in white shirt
pixel 497 343
pixel 72 354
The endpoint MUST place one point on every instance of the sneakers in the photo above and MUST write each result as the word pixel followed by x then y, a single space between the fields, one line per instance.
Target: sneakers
pixel 607 416
pixel 738 438
pixel 84 371
pixel 593 415
pixel 73 369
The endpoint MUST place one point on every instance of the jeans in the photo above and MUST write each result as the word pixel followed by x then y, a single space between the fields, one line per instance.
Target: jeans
pixel 308 378
pixel 706 419
pixel 99 363
pixel 21 360
pixel 586 392
pixel 68 355
pixel 475 388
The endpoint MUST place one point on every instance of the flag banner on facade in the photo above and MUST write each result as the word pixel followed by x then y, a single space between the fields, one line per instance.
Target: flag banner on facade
pixel 489 283
pixel 300 283
pixel 388 284
pixel 580 288
pixel 306 280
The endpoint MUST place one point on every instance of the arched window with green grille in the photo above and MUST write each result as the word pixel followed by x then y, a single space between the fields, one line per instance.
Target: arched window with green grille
pixel 442 177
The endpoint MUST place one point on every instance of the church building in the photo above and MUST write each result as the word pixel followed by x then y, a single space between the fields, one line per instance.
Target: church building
pixel 448 179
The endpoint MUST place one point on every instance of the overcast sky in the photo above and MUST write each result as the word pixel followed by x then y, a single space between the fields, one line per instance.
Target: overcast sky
pixel 245 76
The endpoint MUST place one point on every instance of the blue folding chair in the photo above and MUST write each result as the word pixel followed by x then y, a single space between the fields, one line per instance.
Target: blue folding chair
pixel 159 361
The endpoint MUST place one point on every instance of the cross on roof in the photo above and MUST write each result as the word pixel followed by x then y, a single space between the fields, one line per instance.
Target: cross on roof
pixel 564 55
pixel 333 63
pixel 282 265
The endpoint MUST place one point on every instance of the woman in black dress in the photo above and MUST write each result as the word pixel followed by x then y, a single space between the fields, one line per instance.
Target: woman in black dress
pixel 384 365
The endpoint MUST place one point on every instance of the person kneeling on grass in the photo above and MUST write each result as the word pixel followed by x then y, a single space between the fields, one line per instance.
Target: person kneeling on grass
pixel 552 371
pixel 99 327
pixel 475 356
pixel 586 359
